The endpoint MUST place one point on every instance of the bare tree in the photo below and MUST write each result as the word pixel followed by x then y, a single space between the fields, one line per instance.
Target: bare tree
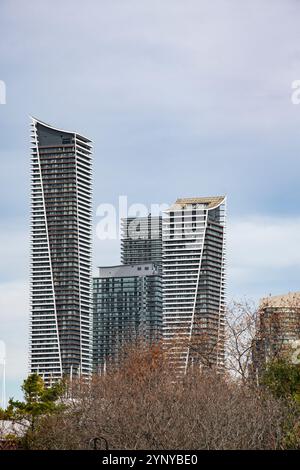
pixel 256 335
pixel 142 405
pixel 241 330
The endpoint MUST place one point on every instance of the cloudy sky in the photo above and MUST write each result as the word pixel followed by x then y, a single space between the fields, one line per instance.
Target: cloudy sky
pixel 181 98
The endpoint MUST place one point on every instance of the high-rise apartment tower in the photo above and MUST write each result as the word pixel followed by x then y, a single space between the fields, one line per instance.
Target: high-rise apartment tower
pixel 60 323
pixel 193 282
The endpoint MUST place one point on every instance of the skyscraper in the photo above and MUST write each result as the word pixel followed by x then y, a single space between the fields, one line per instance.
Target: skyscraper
pixel 193 282
pixel 127 306
pixel 142 240
pixel 60 323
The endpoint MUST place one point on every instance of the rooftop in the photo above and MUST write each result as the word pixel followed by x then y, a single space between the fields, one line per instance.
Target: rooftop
pixel 211 202
pixel 42 123
pixel 286 300
pixel 126 270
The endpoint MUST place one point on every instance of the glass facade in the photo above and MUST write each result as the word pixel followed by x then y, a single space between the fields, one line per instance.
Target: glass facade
pixel 127 306
pixel 142 240
pixel 60 324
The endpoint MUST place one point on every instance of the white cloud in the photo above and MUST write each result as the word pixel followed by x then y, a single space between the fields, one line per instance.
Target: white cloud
pixel 263 252
pixel 2 351
pixel 14 251
pixel 14 317
pixel 265 242
pixel 189 58
pixel 14 301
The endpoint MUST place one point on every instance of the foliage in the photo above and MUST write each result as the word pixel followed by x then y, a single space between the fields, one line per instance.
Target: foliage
pixel 282 378
pixel 38 400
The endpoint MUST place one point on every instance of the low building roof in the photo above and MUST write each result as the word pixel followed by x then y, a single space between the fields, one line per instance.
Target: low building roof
pixel 128 270
pixel 286 300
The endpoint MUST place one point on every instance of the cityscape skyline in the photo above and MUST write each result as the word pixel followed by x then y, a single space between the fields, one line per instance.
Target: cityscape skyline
pixel 170 286
pixel 175 110
pixel 127 298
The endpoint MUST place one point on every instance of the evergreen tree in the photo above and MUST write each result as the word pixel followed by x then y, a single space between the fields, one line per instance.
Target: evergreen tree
pixel 38 400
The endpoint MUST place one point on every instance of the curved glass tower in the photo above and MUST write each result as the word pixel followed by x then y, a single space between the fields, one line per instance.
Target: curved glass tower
pixel 61 179
pixel 194 283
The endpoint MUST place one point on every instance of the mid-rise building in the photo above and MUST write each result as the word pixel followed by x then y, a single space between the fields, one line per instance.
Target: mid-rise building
pixel 127 306
pixel 61 302
pixel 278 329
pixel 194 282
